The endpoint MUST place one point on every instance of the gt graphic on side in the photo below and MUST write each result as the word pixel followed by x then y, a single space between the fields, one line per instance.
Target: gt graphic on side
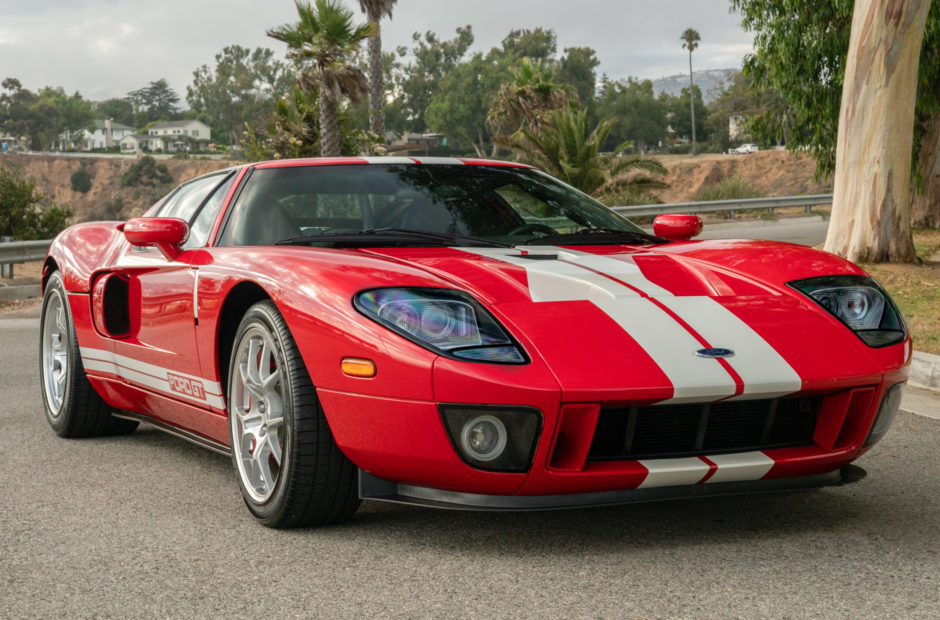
pixel 462 333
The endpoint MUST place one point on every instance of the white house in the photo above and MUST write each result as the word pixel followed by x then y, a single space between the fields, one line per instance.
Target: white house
pixel 180 134
pixel 137 143
pixel 97 137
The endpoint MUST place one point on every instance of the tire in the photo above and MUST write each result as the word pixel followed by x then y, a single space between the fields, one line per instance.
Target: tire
pixel 289 468
pixel 73 408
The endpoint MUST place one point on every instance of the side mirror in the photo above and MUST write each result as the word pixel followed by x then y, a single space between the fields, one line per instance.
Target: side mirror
pixel 677 226
pixel 167 234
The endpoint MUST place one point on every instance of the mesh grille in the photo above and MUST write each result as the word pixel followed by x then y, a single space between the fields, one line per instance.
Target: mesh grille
pixel 703 428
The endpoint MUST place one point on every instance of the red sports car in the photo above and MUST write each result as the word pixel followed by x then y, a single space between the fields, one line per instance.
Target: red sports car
pixel 462 333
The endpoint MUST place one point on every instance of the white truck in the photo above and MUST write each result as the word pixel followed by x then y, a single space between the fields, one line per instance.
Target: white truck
pixel 744 149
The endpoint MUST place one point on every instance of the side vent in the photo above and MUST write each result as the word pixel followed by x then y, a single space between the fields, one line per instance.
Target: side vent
pixel 110 304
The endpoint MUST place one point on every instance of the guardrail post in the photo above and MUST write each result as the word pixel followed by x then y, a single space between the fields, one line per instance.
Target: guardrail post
pixel 6 270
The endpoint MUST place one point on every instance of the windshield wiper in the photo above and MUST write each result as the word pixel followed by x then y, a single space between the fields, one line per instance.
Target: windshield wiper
pixel 596 236
pixel 393 236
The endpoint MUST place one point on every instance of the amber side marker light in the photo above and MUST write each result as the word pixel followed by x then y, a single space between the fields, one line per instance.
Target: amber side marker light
pixel 358 367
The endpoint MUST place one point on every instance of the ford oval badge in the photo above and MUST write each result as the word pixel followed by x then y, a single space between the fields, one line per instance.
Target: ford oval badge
pixel 714 352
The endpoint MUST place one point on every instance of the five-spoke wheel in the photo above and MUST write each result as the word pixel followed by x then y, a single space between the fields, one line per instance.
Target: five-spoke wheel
pixel 289 468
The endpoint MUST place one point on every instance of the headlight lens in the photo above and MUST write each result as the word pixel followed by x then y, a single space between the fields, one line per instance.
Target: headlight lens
pixel 445 321
pixel 860 303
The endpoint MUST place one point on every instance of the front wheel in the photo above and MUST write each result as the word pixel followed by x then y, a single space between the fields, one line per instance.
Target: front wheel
pixel 289 468
pixel 73 408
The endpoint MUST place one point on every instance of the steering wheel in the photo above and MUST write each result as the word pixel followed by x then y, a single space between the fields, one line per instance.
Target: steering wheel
pixel 532 227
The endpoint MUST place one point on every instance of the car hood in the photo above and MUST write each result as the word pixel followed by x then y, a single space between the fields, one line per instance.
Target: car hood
pixel 612 319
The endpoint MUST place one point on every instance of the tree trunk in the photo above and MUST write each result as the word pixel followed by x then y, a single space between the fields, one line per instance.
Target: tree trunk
pixel 329 125
pixel 692 103
pixel 376 82
pixel 925 204
pixel 871 220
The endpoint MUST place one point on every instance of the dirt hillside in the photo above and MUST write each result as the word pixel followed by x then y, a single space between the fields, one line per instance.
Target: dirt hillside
pixel 774 173
pixel 53 175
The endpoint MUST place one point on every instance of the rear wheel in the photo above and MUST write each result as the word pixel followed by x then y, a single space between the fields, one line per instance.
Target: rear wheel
pixel 73 408
pixel 290 471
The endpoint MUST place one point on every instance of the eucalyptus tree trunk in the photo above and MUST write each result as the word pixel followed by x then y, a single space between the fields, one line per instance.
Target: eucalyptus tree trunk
pixel 376 81
pixel 871 219
pixel 925 205
pixel 692 103
pixel 329 125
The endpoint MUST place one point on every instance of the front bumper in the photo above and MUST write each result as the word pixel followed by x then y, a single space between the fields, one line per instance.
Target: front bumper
pixel 371 487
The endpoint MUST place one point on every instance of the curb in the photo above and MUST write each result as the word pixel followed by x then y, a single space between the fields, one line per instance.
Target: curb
pixel 925 370
pixel 23 291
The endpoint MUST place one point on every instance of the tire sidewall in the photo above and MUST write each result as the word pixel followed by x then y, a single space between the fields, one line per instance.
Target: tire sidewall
pixel 265 316
pixel 60 422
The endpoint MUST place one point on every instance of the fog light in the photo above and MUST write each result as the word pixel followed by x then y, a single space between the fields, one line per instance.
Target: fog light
pixel 886 414
pixel 483 437
pixel 491 437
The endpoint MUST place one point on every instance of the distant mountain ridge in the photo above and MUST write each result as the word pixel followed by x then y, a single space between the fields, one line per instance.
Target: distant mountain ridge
pixel 705 79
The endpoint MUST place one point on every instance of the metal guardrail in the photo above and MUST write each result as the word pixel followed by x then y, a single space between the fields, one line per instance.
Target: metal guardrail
pixel 775 202
pixel 23 251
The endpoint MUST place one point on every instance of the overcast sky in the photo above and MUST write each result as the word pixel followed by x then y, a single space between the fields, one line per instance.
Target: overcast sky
pixel 105 48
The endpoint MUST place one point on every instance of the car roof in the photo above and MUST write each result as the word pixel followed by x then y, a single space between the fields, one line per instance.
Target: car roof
pixel 334 161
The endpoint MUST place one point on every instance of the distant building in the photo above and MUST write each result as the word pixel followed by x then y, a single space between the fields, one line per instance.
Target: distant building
pixel 139 143
pixel 737 126
pixel 182 135
pixel 97 137
pixel 8 144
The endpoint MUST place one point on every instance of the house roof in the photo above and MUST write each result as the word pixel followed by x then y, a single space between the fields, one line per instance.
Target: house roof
pixel 99 124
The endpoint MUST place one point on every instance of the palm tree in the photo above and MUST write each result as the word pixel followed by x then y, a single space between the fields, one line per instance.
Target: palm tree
pixel 562 147
pixel 327 37
pixel 375 10
pixel 527 99
pixel 690 39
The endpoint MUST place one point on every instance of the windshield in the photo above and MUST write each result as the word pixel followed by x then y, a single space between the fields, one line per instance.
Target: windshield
pixel 500 204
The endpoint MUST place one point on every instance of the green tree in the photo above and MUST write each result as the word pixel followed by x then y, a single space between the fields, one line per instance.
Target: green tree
pixel 640 116
pixel 802 53
pixel 25 212
pixel 375 10
pixel 578 68
pixel 417 82
pixel 690 40
pixel 528 97
pixel 566 149
pixel 681 119
pixel 118 110
pixel 326 36
pixel 240 89
pixel 154 102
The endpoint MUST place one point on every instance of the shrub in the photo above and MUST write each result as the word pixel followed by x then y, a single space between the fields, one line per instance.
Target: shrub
pixel 81 180
pixel 146 172
pixel 731 188
pixel 25 212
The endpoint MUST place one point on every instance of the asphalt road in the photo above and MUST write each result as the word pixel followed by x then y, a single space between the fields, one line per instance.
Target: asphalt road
pixel 148 525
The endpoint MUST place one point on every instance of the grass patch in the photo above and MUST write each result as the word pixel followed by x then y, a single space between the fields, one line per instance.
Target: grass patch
pixel 732 188
pixel 916 290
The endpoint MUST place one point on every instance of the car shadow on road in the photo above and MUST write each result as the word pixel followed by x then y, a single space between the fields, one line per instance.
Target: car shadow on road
pixel 858 509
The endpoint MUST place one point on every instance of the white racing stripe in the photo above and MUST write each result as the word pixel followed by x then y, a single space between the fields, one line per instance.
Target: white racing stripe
pixel 149 375
pixel 672 347
pixel 388 160
pixel 764 372
pixel 690 470
pixel 672 472
pixel 554 280
pixel 740 466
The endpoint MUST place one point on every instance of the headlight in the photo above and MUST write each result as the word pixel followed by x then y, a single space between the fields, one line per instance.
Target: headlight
pixel 445 321
pixel 860 303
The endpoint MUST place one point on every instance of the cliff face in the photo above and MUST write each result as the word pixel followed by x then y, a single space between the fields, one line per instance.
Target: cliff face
pixel 53 175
